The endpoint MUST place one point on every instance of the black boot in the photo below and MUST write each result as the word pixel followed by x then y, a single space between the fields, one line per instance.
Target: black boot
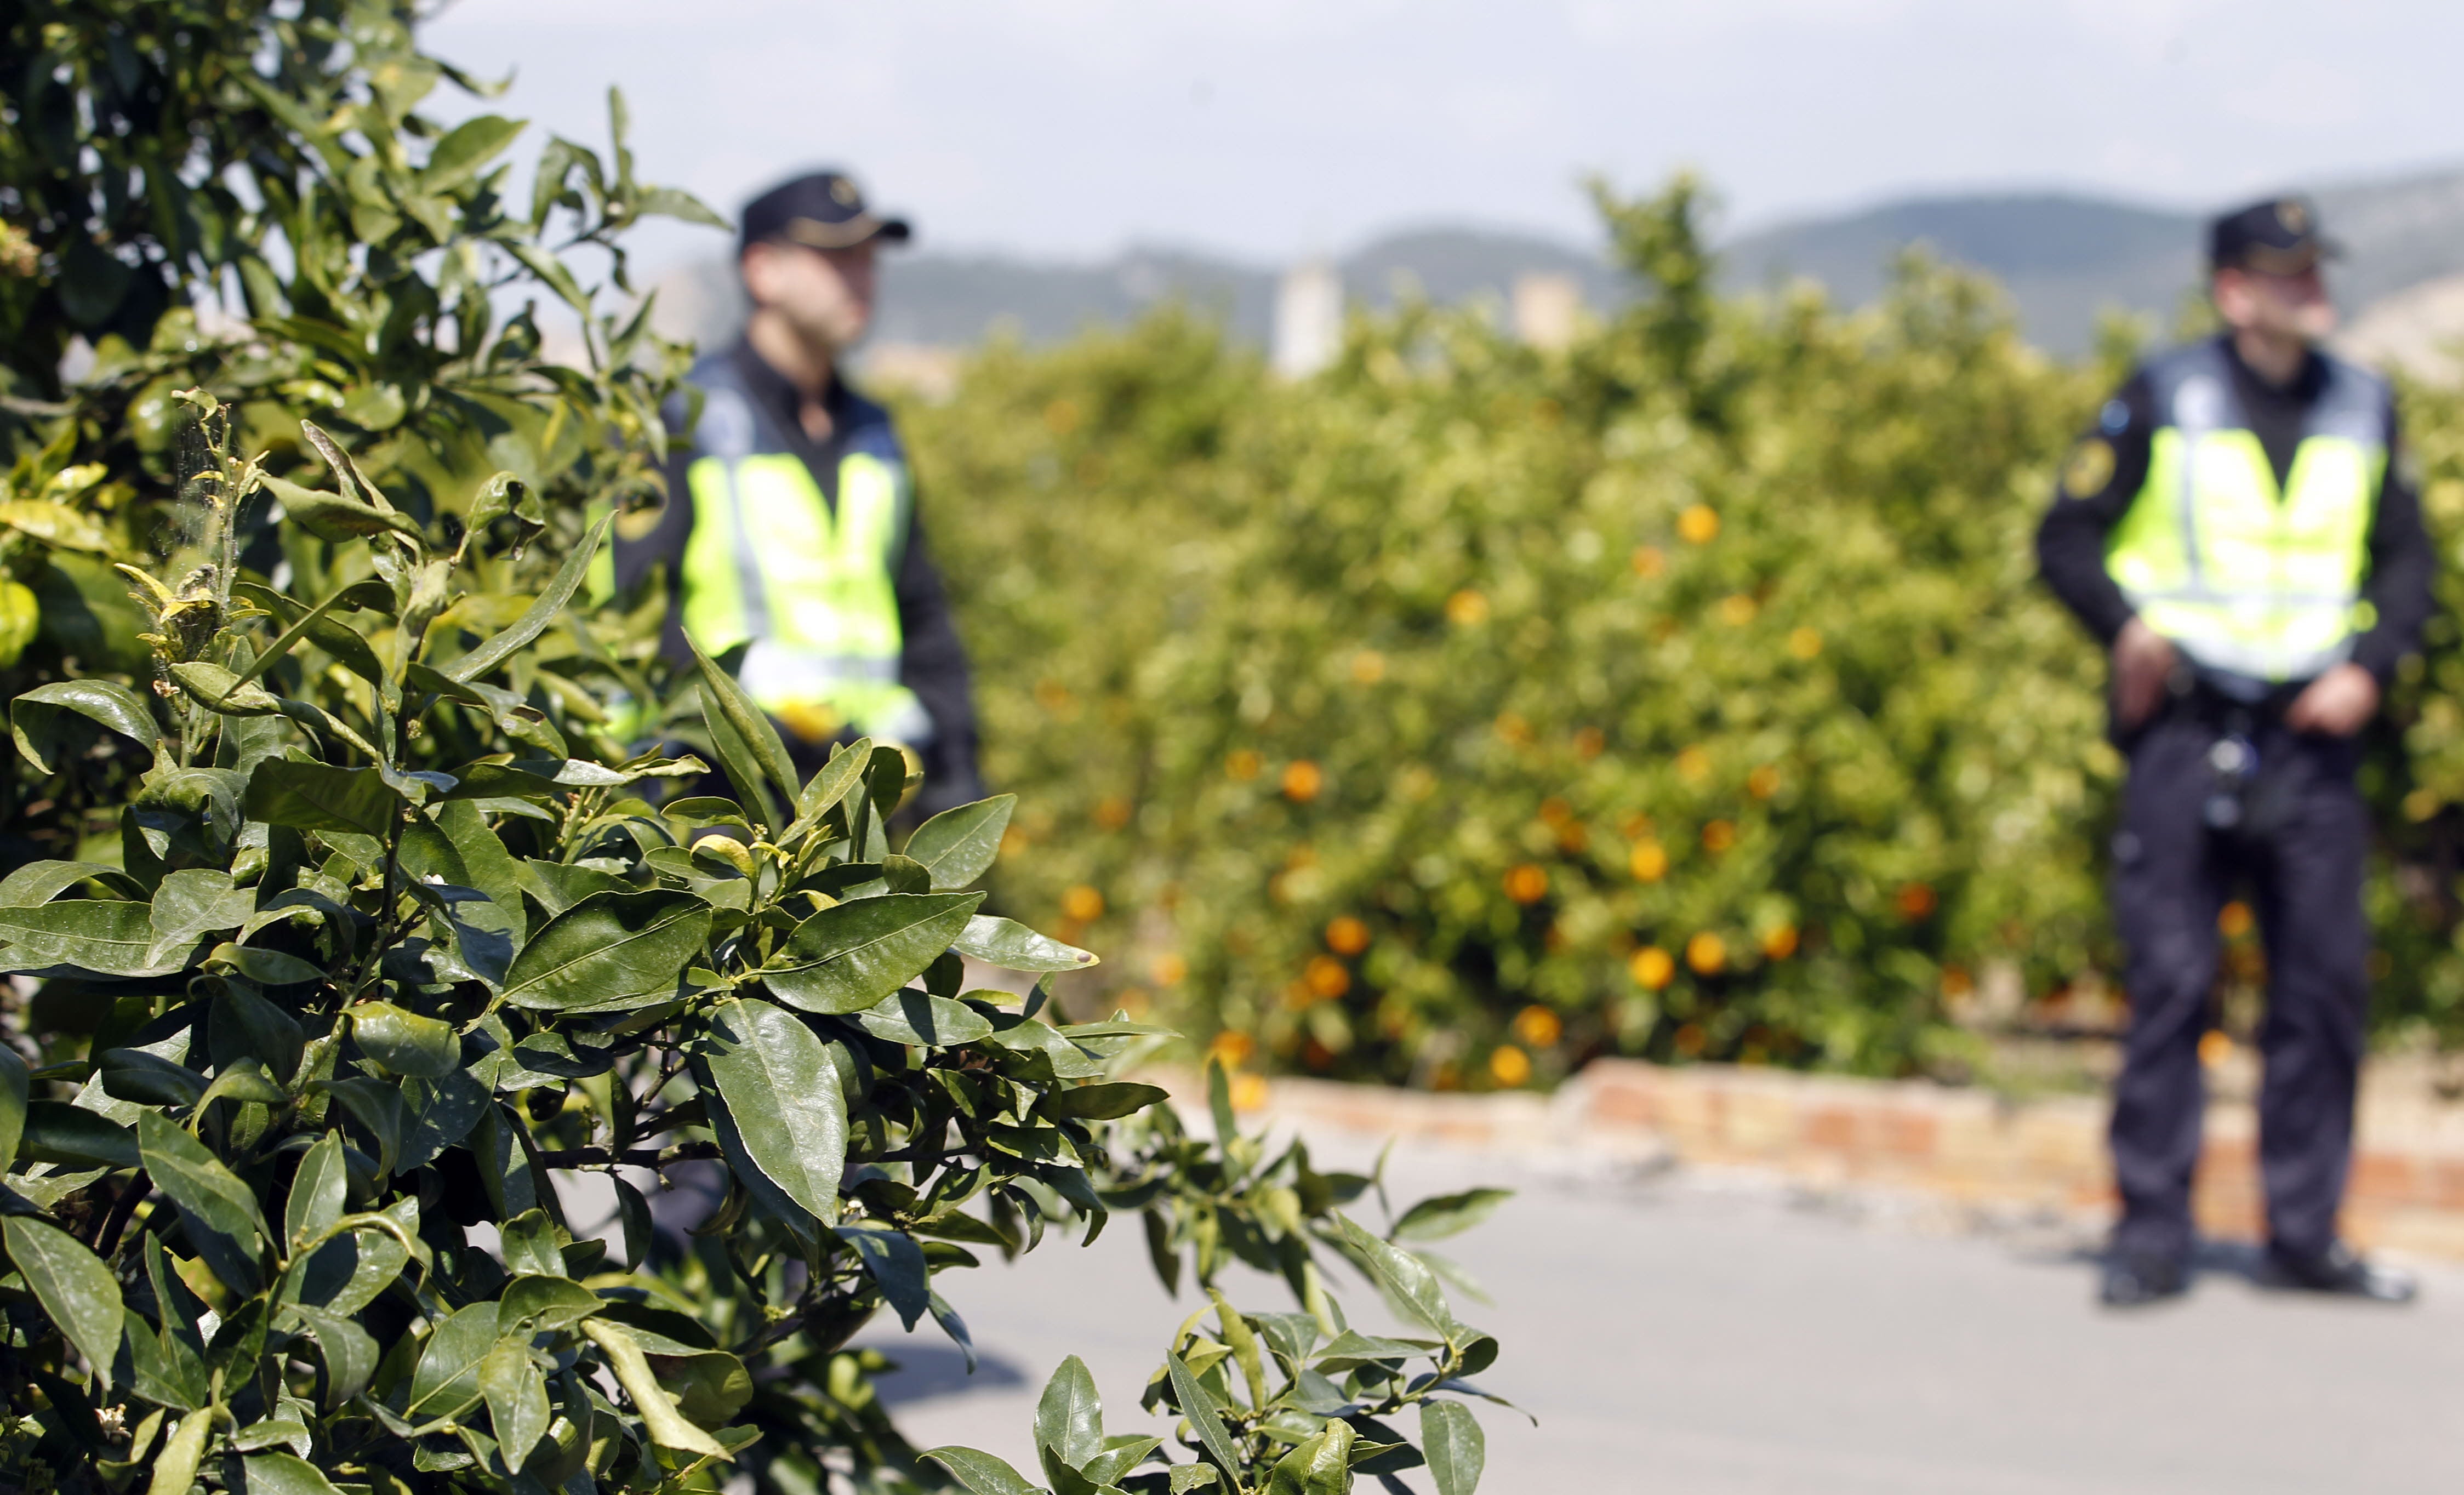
pixel 2135 1279
pixel 2338 1269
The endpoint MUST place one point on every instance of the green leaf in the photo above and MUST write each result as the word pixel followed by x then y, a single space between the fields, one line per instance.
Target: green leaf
pixel 1322 1465
pixel 896 1264
pixel 837 780
pixel 349 1351
pixel 724 699
pixel 1102 1102
pixel 322 797
pixel 331 516
pixel 191 904
pixel 1199 1406
pixel 76 1288
pixel 462 154
pixel 447 1381
pixel 39 719
pixel 1069 1415
pixel 1444 1215
pixel 219 689
pixel 846 958
pixel 105 936
pixel 404 1042
pixel 38 882
pixel 517 1396
pixel 132 1074
pixel 633 1216
pixel 175 1468
pixel 244 1024
pixel 782 1101
pixel 959 846
pixel 16 1083
pixel 348 1272
pixel 566 582
pixel 709 1387
pixel 980 1472
pixel 71 1135
pixel 610 951
pixel 1453 1443
pixel 1014 947
pixel 666 1427
pixel 1407 1280
pixel 546 1303
pixel 266 967
pixel 218 1212
pixel 282 1474
pixel 912 1016
pixel 318 1191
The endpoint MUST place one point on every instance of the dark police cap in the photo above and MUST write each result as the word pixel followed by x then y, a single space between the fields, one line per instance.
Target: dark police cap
pixel 2277 238
pixel 823 210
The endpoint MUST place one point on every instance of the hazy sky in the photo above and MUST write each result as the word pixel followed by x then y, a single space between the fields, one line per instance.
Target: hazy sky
pixel 1276 127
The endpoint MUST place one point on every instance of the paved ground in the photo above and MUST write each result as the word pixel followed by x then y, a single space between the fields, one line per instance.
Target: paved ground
pixel 1722 1338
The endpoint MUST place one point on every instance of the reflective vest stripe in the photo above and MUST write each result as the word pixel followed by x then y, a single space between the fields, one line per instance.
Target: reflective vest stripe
pixel 2243 575
pixel 812 592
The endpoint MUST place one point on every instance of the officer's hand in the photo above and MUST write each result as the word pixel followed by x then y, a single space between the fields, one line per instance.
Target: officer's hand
pixel 2338 703
pixel 2142 662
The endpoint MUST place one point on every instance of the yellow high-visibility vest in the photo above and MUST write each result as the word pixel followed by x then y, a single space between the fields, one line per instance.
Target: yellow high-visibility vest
pixel 810 590
pixel 2245 576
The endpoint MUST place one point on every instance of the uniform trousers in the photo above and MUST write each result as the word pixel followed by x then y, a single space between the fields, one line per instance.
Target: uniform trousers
pixel 2299 851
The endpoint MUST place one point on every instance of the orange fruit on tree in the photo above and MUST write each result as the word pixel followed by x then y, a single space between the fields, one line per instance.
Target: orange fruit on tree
pixel 1649 862
pixel 1538 1028
pixel 1327 978
pixel 1509 1065
pixel 1302 780
pixel 1082 903
pixel 1467 607
pixel 1707 954
pixel 1528 883
pixel 1698 525
pixel 1652 968
pixel 1347 935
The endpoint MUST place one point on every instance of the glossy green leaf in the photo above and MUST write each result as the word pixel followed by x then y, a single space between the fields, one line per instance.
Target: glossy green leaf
pixel 103 935
pixel 896 1265
pixel 16 1085
pixel 1069 1415
pixel 846 958
pixel 666 1427
pixel 219 689
pixel 76 1290
pixel 1014 947
pixel 532 623
pixel 1100 1102
pixel 1320 1466
pixel 1205 1415
pixel 318 1191
pixel 133 1074
pixel 191 904
pixel 723 700
pixel 43 719
pixel 446 1383
pixel 75 1137
pixel 546 1303
pixel 322 797
pixel 405 1041
pixel 782 1101
pixel 1453 1443
pixel 175 1468
pixel 610 951
pixel 40 882
pixel 912 1016
pixel 246 1025
pixel 1408 1283
pixel 219 1212
pixel 516 1397
pixel 282 1474
pixel 980 1472
pixel 1448 1214
pixel 959 846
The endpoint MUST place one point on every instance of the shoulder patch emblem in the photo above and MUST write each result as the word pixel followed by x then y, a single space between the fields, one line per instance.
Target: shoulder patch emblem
pixel 2088 467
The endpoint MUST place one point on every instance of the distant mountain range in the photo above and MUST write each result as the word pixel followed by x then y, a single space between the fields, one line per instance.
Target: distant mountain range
pixel 2064 258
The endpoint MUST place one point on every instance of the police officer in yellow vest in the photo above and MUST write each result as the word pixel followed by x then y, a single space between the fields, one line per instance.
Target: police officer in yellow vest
pixel 2239 530
pixel 789 531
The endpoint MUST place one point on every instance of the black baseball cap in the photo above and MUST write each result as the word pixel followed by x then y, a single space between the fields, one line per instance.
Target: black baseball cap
pixel 824 209
pixel 2277 238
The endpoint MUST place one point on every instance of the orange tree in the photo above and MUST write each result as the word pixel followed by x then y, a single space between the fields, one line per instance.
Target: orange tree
pixel 1469 710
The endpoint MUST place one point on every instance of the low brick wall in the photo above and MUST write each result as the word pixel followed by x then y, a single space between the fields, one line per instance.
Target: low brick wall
pixel 1912 1137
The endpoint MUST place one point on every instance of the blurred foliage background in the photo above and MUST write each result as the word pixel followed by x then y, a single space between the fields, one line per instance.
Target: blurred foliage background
pixel 1470 710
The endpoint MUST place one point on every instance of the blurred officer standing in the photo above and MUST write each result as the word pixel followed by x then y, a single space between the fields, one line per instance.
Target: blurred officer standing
pixel 2239 530
pixel 789 529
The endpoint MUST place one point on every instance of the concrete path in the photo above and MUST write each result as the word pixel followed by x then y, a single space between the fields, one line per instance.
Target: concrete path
pixel 1724 1337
